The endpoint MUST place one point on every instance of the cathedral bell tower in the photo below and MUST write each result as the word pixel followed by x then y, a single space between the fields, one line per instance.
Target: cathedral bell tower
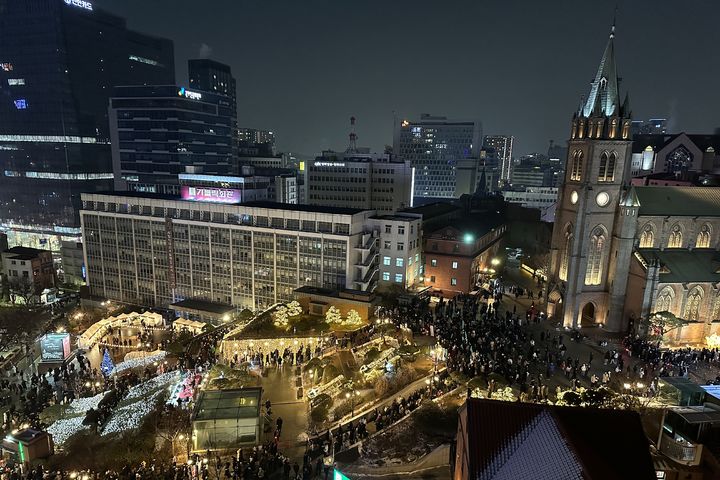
pixel 586 235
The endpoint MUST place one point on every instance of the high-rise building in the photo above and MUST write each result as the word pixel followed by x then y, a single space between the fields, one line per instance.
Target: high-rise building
pixel 499 149
pixel 215 77
pixel 434 145
pixel 59 61
pixel 654 126
pixel 359 179
pixel 256 136
pixel 159 132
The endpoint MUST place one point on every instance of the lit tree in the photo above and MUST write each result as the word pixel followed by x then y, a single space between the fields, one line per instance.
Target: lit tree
pixel 353 318
pixel 661 323
pixel 294 309
pixel 333 315
pixel 281 316
pixel 24 289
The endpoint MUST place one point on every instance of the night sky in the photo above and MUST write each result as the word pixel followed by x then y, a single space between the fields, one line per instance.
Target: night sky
pixel 303 67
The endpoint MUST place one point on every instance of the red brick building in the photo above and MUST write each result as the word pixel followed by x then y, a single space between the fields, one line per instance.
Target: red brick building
pixel 458 256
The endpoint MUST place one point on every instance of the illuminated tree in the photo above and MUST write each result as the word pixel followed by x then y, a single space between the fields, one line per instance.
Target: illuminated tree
pixel 353 318
pixel 333 315
pixel 659 324
pixel 294 309
pixel 281 316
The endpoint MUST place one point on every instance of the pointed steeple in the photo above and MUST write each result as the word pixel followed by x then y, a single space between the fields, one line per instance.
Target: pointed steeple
pixel 604 97
pixel 625 110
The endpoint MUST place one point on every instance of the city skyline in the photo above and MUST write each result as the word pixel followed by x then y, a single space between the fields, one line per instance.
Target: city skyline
pixel 302 73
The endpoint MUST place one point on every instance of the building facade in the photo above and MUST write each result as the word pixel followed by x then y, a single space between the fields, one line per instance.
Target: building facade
pixel 59 61
pixel 159 132
pixel 539 198
pixel 158 249
pixel 499 148
pixel 400 238
pixel 458 257
pixel 28 268
pixel 434 145
pixel 359 179
pixel 592 242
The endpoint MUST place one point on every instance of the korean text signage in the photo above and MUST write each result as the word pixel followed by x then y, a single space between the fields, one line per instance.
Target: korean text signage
pixel 55 347
pixel 210 194
pixel 80 4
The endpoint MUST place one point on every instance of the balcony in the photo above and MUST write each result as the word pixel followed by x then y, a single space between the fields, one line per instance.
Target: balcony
pixel 681 452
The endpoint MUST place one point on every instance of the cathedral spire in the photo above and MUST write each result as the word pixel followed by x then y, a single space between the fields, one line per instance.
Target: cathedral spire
pixel 604 97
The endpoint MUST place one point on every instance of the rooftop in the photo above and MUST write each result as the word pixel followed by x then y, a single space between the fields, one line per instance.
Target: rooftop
pixel 477 225
pixel 679 201
pixel 680 266
pixel 432 210
pixel 26 252
pixel 254 204
pixel 527 440
pixel 203 306
pixel 228 404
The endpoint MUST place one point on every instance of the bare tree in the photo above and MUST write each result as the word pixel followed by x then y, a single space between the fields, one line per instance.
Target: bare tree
pixel 24 289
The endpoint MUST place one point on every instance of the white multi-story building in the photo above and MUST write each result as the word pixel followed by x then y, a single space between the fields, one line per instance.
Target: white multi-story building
pixel 540 198
pixel 499 148
pixel 359 179
pixel 433 146
pixel 400 248
pixel 155 250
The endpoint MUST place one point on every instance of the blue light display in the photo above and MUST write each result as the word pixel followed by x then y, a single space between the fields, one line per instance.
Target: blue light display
pixel 21 104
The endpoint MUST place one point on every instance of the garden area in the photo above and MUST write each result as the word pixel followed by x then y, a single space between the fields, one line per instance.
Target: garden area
pixel 290 318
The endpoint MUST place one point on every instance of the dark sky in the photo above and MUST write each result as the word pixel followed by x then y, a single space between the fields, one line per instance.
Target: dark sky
pixel 303 67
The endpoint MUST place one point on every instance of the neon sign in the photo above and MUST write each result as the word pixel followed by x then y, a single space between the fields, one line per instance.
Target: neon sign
pixel 188 94
pixel 209 194
pixel 80 3
pixel 21 104
pixel 16 81
pixel 6 66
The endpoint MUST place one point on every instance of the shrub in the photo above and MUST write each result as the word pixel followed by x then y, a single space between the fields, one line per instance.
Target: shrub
pixel 330 372
pixel 371 356
pixel 322 400
pixel 319 414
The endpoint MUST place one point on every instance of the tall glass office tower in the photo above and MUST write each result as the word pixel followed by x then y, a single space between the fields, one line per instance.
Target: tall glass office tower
pixel 59 60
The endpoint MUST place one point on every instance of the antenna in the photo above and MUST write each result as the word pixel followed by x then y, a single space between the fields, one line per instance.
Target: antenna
pixel 353 136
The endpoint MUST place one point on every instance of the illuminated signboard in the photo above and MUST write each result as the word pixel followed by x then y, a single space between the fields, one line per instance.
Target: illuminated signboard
pixel 209 194
pixel 21 104
pixel 16 81
pixel 148 61
pixel 338 475
pixel 55 347
pixel 80 3
pixel 329 164
pixel 188 94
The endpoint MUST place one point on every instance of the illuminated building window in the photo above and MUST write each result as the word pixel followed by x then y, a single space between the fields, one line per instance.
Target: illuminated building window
pixel 577 166
pixel 565 254
pixel 675 239
pixel 692 307
pixel 647 237
pixel 664 300
pixel 703 238
pixel 606 172
pixel 596 254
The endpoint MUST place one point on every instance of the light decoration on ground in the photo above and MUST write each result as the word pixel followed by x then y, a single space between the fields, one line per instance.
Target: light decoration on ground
pixel 98 330
pixel 157 356
pixel 244 347
pixel 713 341
pixel 161 381
pixel 82 405
pixel 131 416
pixel 65 428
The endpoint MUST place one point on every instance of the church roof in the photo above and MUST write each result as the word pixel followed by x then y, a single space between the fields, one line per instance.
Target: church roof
pixel 604 96
pixel 679 201
pixel 682 266
pixel 658 141
pixel 508 440
pixel 631 199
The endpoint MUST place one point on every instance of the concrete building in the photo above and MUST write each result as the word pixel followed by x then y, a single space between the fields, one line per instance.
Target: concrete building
pixel 434 145
pixel 539 198
pixel 158 132
pixel 654 126
pixel 680 156
pixel 499 148
pixel 400 249
pixel 155 250
pixel 459 256
pixel 532 176
pixel 359 179
pixel 28 270
pixel 224 188
pixel 73 263
pixel 284 189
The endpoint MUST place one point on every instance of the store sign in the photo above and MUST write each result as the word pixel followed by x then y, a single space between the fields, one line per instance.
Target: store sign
pixel 210 194
pixel 80 4
pixel 329 164
pixel 55 347
pixel 16 81
pixel 6 66
pixel 21 104
pixel 188 94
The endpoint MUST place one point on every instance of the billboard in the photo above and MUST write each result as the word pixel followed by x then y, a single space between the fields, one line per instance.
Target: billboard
pixel 55 347
pixel 210 194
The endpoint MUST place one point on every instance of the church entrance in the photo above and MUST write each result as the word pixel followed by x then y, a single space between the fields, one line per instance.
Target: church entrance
pixel 587 318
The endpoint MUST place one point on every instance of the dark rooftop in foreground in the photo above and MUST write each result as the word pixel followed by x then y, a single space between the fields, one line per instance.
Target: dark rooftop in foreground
pixel 682 266
pixel 26 252
pixel 204 306
pixel 255 204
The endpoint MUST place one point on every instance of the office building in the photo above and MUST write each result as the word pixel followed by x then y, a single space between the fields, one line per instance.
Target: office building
pixel 359 179
pixel 434 145
pixel 538 198
pixel 73 263
pixel 155 250
pixel 213 77
pixel 247 187
pixel 161 131
pixel 400 238
pixel 284 189
pixel 499 150
pixel 654 126
pixel 256 136
pixel 59 61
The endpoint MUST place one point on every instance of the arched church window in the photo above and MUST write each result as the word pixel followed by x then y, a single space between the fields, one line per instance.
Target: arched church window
pixel 647 237
pixel 565 254
pixel 664 300
pixel 679 160
pixel 675 238
pixel 703 238
pixel 606 172
pixel 596 254
pixel 577 166
pixel 692 307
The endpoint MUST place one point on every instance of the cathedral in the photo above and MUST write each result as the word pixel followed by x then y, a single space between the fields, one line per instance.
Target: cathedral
pixel 621 252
